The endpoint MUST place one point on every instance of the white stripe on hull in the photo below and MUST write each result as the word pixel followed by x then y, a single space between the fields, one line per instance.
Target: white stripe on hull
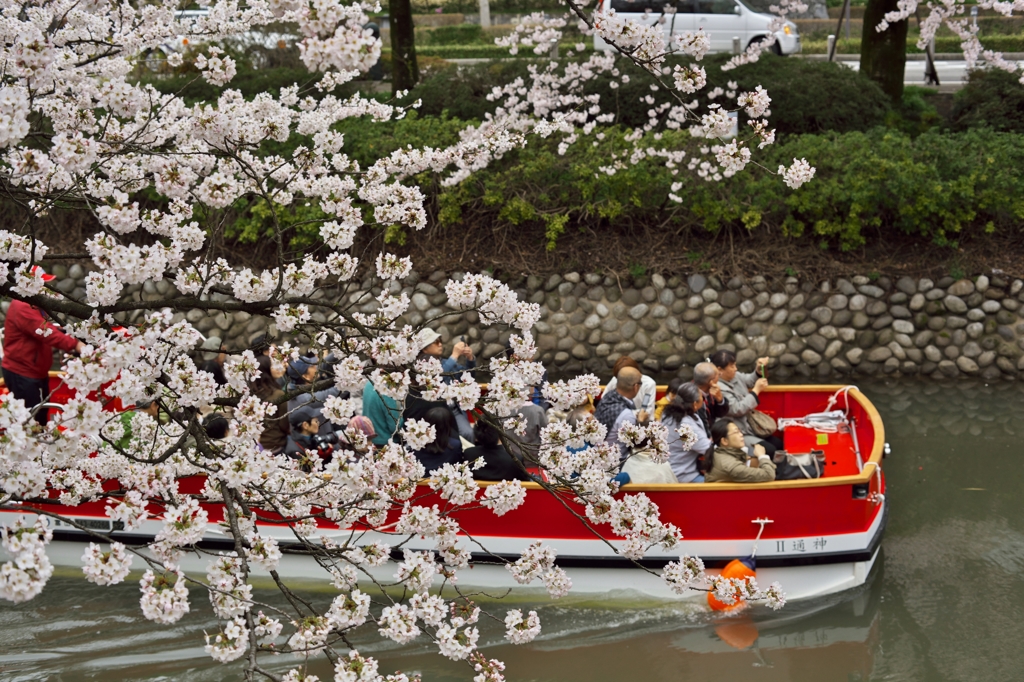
pixel 798 582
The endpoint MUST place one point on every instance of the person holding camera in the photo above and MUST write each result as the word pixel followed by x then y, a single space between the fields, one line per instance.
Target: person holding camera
pixel 306 439
pixel 735 461
pixel 742 392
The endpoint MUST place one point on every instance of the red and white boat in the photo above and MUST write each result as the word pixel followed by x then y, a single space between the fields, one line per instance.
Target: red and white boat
pixel 820 536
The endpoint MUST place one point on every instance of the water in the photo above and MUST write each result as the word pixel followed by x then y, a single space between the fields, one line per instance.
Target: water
pixel 944 602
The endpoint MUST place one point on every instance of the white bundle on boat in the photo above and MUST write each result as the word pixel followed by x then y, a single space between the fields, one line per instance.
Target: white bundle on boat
pixel 824 422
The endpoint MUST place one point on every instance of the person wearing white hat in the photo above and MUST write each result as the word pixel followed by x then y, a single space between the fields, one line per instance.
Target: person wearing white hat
pixel 29 340
pixel 430 343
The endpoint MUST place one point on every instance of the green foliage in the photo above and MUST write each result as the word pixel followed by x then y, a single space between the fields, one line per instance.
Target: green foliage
pixel 992 98
pixel 807 96
pixel 934 187
pixel 637 270
pixel 461 91
pixel 258 221
pixel 366 141
pixel 459 34
pixel 916 112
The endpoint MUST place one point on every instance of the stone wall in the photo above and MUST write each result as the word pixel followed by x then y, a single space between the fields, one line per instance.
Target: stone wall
pixel 859 326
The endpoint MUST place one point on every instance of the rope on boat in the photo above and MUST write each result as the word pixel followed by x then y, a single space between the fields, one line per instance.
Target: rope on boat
pixel 763 523
pixel 827 421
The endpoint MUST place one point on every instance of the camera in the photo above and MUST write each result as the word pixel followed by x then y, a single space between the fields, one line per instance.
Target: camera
pixel 324 441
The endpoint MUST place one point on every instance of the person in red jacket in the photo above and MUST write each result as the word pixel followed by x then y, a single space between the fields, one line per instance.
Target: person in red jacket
pixel 29 340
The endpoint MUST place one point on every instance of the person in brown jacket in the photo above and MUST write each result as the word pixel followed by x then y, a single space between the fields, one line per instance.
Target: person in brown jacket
pixel 731 463
pixel 276 428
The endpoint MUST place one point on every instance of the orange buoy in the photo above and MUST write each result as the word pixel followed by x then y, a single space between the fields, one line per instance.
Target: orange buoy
pixel 737 568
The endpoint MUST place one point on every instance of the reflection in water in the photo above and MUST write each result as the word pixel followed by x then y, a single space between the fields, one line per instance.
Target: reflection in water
pixel 944 602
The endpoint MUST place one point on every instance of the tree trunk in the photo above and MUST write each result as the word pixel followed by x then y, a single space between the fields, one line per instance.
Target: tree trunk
pixel 883 56
pixel 405 72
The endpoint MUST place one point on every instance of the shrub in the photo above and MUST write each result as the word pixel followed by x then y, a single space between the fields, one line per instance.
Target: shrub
pixel 937 187
pixel 916 113
pixel 461 91
pixel 807 96
pixel 992 98
pixel 460 34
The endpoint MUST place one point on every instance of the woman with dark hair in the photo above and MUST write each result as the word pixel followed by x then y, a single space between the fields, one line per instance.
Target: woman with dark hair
pixel 498 464
pixel 644 399
pixel 687 455
pixel 732 463
pixel 216 426
pixel 742 391
pixel 446 447
pixel 266 388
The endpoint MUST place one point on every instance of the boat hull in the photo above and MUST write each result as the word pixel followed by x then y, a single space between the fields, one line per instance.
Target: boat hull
pixel 814 537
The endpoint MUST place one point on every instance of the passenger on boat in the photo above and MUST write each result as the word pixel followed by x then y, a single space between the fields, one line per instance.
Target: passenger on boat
pixel 416 406
pixel 734 460
pixel 670 393
pixel 499 465
pixel 266 388
pixel 29 340
pixel 384 412
pixel 461 360
pixel 536 419
pixel 646 395
pixel 575 416
pixel 308 437
pixel 705 376
pixel 742 390
pixel 641 468
pixel 303 373
pixel 150 407
pixel 213 357
pixel 686 458
pixel 617 406
pixel 359 434
pixel 216 426
pixel 446 447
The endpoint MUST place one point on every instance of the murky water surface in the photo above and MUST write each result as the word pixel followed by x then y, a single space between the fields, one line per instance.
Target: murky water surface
pixel 945 602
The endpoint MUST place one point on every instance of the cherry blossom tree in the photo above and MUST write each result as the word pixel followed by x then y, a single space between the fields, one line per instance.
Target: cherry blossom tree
pixel 79 132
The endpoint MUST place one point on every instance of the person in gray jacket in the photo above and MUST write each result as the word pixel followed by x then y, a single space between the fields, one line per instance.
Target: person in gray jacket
pixel 742 390
pixel 682 411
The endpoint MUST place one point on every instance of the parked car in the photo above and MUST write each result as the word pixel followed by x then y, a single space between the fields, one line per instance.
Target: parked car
pixel 722 20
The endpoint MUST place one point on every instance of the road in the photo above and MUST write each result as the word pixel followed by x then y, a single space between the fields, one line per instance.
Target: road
pixel 952 73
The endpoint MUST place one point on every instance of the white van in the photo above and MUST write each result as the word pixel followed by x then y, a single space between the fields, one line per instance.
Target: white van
pixel 722 20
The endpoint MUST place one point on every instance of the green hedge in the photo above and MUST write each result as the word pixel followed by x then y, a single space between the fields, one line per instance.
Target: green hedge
pixel 937 187
pixel 807 96
pixel 460 34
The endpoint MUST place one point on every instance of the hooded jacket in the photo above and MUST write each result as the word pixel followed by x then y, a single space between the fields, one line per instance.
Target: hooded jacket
pixel 27 353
